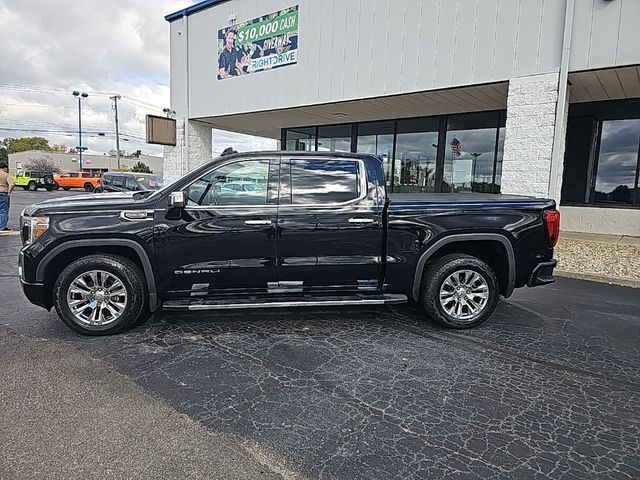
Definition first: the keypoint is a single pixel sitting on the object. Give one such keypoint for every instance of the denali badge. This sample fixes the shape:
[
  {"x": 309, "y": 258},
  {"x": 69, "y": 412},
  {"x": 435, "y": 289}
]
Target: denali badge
[{"x": 195, "y": 271}]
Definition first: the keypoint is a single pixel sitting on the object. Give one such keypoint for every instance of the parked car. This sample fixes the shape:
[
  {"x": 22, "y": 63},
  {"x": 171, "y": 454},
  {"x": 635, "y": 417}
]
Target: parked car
[
  {"x": 129, "y": 181},
  {"x": 34, "y": 179},
  {"x": 84, "y": 180},
  {"x": 322, "y": 231}
]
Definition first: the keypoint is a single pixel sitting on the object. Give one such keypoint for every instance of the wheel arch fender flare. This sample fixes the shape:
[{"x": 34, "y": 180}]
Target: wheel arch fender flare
[
  {"x": 106, "y": 242},
  {"x": 466, "y": 237}
]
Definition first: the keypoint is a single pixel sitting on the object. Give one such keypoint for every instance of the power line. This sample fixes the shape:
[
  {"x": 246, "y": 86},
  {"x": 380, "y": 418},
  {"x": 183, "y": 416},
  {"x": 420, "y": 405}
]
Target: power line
[{"x": 62, "y": 91}]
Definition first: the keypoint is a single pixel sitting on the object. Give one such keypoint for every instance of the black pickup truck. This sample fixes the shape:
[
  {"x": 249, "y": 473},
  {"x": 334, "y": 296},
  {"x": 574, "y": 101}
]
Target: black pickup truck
[{"x": 282, "y": 229}]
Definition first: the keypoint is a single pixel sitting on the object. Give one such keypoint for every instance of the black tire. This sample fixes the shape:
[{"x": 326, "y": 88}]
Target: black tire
[
  {"x": 56, "y": 186},
  {"x": 135, "y": 311},
  {"x": 48, "y": 189},
  {"x": 88, "y": 187},
  {"x": 32, "y": 186},
  {"x": 25, "y": 188},
  {"x": 98, "y": 190},
  {"x": 439, "y": 272},
  {"x": 66, "y": 188}
]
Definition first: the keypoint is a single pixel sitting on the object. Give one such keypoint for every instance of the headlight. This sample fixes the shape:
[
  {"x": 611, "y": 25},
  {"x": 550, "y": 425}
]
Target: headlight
[{"x": 36, "y": 226}]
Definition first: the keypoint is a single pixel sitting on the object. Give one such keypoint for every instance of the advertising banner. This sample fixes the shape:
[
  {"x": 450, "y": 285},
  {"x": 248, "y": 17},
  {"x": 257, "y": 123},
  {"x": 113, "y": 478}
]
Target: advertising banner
[{"x": 260, "y": 44}]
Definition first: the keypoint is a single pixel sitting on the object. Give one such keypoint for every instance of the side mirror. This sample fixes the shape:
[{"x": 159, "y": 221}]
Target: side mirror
[{"x": 176, "y": 200}]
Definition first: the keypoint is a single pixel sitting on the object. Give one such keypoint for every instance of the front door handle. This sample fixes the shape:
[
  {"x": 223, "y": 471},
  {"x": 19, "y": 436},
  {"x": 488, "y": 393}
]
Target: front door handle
[
  {"x": 361, "y": 220},
  {"x": 257, "y": 222}
]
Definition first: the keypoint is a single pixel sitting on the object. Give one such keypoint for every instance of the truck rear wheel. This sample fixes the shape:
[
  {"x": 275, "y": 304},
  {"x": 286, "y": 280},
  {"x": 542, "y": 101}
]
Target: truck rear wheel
[
  {"x": 459, "y": 291},
  {"x": 101, "y": 295},
  {"x": 88, "y": 187},
  {"x": 32, "y": 186}
]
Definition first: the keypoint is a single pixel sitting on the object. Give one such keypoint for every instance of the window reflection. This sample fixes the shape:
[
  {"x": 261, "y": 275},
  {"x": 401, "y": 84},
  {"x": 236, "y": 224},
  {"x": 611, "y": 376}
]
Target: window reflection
[
  {"x": 377, "y": 138},
  {"x": 470, "y": 153},
  {"x": 415, "y": 159},
  {"x": 617, "y": 162},
  {"x": 334, "y": 138},
  {"x": 321, "y": 181},
  {"x": 301, "y": 139}
]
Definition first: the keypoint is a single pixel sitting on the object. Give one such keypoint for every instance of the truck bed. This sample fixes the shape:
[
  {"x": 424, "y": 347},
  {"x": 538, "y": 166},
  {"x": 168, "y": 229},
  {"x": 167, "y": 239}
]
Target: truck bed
[{"x": 409, "y": 201}]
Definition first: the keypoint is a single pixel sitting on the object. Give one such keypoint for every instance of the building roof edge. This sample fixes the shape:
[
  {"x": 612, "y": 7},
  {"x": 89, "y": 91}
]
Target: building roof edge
[{"x": 192, "y": 9}]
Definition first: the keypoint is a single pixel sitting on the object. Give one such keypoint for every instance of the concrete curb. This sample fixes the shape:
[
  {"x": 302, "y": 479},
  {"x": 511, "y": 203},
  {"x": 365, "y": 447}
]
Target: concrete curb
[{"x": 625, "y": 282}]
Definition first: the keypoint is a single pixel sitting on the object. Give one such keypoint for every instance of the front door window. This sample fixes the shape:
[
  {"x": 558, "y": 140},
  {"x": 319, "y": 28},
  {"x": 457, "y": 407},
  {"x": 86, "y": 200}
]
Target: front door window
[{"x": 239, "y": 183}]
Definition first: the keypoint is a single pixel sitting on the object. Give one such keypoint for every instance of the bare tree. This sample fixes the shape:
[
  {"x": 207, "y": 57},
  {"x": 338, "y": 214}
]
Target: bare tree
[{"x": 42, "y": 163}]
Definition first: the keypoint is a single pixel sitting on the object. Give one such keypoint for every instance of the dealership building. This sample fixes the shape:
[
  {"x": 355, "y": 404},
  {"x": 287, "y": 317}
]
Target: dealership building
[{"x": 528, "y": 97}]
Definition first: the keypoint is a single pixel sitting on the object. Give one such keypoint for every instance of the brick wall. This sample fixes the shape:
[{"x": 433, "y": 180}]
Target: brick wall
[
  {"x": 177, "y": 161},
  {"x": 530, "y": 126}
]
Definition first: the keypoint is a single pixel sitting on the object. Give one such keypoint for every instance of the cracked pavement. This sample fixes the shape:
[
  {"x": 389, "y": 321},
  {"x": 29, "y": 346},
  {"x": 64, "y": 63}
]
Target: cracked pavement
[{"x": 547, "y": 388}]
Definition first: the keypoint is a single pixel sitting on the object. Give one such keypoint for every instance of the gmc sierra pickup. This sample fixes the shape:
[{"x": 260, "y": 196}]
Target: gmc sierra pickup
[{"x": 281, "y": 229}]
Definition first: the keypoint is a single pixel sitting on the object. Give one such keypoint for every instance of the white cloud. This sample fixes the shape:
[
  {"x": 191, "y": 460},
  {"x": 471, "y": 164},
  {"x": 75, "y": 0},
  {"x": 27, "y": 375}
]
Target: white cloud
[{"x": 119, "y": 46}]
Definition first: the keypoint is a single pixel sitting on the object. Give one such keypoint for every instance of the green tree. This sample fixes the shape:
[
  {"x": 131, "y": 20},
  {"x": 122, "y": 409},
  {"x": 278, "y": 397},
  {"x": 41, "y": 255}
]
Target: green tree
[
  {"x": 23, "y": 144},
  {"x": 141, "y": 167},
  {"x": 4, "y": 156}
]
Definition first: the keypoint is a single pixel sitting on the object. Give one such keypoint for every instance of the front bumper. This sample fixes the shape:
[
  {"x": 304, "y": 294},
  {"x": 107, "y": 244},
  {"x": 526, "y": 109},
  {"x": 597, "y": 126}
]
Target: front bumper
[
  {"x": 542, "y": 274},
  {"x": 34, "y": 291}
]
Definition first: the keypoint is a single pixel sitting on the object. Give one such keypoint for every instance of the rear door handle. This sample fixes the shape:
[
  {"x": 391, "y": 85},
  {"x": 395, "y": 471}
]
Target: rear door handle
[
  {"x": 361, "y": 220},
  {"x": 257, "y": 222}
]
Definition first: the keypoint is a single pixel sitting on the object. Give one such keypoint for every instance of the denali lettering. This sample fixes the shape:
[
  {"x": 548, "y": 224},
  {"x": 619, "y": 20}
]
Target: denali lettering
[{"x": 195, "y": 271}]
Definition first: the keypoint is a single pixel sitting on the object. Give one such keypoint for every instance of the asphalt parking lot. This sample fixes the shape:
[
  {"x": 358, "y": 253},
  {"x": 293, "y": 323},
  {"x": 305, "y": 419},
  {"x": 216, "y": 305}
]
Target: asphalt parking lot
[{"x": 548, "y": 388}]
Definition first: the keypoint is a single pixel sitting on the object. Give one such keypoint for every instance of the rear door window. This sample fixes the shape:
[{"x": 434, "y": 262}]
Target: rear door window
[
  {"x": 316, "y": 181},
  {"x": 118, "y": 181}
]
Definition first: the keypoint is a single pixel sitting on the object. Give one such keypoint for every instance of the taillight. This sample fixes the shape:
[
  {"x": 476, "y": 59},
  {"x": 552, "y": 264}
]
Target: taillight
[{"x": 552, "y": 220}]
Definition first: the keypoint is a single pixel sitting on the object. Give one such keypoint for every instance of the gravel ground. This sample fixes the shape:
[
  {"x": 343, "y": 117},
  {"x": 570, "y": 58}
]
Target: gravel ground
[{"x": 599, "y": 259}]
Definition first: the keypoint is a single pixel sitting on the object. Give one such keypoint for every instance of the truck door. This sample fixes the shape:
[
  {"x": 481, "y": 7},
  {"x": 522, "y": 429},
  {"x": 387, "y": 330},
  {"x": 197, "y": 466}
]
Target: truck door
[
  {"x": 329, "y": 227},
  {"x": 223, "y": 240}
]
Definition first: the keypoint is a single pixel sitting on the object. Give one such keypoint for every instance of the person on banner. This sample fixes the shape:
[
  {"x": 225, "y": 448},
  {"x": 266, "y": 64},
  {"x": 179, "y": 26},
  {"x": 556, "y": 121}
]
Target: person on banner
[
  {"x": 229, "y": 58},
  {"x": 6, "y": 187}
]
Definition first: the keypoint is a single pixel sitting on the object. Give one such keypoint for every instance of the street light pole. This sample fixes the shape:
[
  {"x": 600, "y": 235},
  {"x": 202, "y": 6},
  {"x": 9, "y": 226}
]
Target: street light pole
[
  {"x": 80, "y": 96},
  {"x": 115, "y": 99}
]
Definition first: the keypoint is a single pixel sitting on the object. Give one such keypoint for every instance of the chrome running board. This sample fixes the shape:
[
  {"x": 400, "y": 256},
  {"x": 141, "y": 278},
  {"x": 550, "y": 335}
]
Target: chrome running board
[{"x": 320, "y": 301}]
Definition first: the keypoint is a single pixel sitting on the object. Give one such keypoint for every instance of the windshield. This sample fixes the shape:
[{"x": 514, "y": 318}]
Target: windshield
[{"x": 150, "y": 183}]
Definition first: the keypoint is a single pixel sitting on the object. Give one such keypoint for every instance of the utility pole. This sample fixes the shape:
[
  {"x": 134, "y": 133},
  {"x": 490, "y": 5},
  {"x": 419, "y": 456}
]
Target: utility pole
[{"x": 115, "y": 99}]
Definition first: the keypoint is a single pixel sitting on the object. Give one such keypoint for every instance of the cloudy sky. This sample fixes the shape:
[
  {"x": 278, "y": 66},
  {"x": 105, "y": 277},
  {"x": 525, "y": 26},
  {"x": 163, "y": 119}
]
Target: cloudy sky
[{"x": 50, "y": 48}]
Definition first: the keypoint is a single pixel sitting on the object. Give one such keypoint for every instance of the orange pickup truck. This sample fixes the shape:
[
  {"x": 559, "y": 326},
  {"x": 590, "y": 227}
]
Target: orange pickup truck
[{"x": 84, "y": 180}]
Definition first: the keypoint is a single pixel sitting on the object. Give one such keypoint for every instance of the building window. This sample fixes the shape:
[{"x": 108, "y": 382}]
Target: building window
[
  {"x": 415, "y": 159},
  {"x": 470, "y": 153},
  {"x": 334, "y": 138},
  {"x": 450, "y": 153},
  {"x": 602, "y": 154},
  {"x": 377, "y": 138},
  {"x": 616, "y": 179},
  {"x": 301, "y": 139}
]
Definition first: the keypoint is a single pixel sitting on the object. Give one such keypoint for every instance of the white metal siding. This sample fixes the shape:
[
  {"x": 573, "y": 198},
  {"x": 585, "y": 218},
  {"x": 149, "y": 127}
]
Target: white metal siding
[
  {"x": 353, "y": 49},
  {"x": 605, "y": 34}
]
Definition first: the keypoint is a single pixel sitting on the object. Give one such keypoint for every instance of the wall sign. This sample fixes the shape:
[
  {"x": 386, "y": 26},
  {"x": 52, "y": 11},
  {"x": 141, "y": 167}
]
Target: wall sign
[{"x": 260, "y": 44}]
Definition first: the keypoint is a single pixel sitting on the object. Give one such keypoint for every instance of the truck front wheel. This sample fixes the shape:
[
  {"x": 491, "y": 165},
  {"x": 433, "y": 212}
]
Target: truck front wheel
[
  {"x": 459, "y": 291},
  {"x": 101, "y": 295}
]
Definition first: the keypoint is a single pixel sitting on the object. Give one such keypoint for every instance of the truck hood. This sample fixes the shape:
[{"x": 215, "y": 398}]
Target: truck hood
[{"x": 94, "y": 202}]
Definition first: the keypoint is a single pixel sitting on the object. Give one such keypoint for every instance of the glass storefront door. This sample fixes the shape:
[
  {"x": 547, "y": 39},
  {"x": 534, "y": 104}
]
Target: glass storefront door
[
  {"x": 377, "y": 138},
  {"x": 416, "y": 152},
  {"x": 470, "y": 153}
]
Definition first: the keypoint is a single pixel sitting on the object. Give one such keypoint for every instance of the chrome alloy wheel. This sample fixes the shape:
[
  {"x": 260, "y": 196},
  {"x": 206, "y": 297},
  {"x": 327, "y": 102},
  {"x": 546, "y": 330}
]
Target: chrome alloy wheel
[
  {"x": 464, "y": 295},
  {"x": 97, "y": 297}
]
